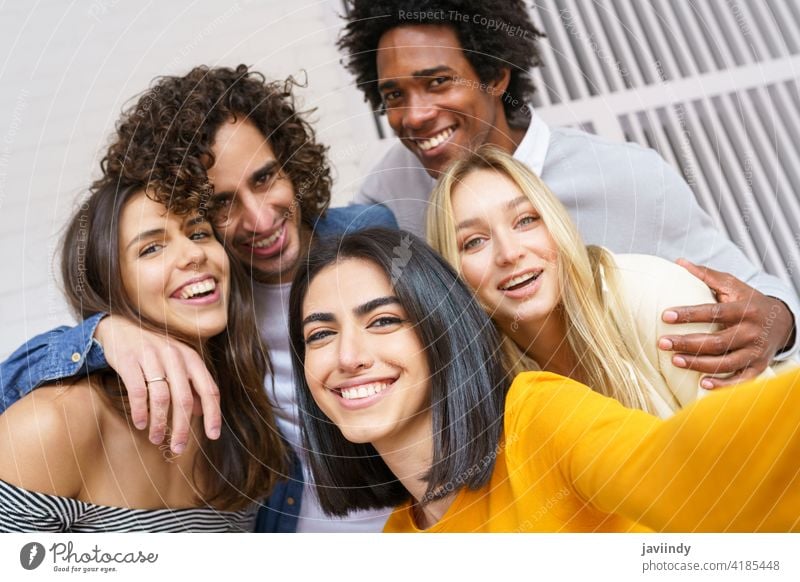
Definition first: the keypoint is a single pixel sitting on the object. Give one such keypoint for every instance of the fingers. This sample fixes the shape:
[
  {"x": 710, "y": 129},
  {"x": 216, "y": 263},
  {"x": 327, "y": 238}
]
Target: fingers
[
  {"x": 130, "y": 372},
  {"x": 181, "y": 398},
  {"x": 729, "y": 363},
  {"x": 709, "y": 344},
  {"x": 726, "y": 286},
  {"x": 156, "y": 380},
  {"x": 137, "y": 355},
  {"x": 710, "y": 382},
  {"x": 208, "y": 392},
  {"x": 724, "y": 313}
]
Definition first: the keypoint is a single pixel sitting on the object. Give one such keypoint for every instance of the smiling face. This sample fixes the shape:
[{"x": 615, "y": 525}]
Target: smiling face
[
  {"x": 174, "y": 272},
  {"x": 364, "y": 363},
  {"x": 255, "y": 207},
  {"x": 507, "y": 254},
  {"x": 435, "y": 102}
]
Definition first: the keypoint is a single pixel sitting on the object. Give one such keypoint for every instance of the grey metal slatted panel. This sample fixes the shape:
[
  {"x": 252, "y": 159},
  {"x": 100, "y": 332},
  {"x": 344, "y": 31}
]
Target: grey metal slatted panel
[
  {"x": 768, "y": 179},
  {"x": 584, "y": 47},
  {"x": 662, "y": 51},
  {"x": 554, "y": 80},
  {"x": 723, "y": 45},
  {"x": 692, "y": 13},
  {"x": 751, "y": 30},
  {"x": 633, "y": 131},
  {"x": 619, "y": 41},
  {"x": 606, "y": 55},
  {"x": 769, "y": 30},
  {"x": 639, "y": 42},
  {"x": 565, "y": 55},
  {"x": 677, "y": 124},
  {"x": 689, "y": 139},
  {"x": 654, "y": 14},
  {"x": 743, "y": 51},
  {"x": 684, "y": 35},
  {"x": 712, "y": 172},
  {"x": 788, "y": 24},
  {"x": 734, "y": 167},
  {"x": 794, "y": 7},
  {"x": 782, "y": 160},
  {"x": 655, "y": 137}
]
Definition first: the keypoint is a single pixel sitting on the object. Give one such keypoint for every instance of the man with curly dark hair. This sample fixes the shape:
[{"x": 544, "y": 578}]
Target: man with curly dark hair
[
  {"x": 452, "y": 75},
  {"x": 230, "y": 143}
]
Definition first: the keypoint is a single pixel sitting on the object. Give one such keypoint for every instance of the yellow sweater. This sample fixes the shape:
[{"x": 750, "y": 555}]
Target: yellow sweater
[{"x": 572, "y": 460}]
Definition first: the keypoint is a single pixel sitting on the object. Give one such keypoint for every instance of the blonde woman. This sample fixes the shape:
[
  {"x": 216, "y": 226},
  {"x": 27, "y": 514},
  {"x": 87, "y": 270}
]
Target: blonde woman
[{"x": 567, "y": 308}]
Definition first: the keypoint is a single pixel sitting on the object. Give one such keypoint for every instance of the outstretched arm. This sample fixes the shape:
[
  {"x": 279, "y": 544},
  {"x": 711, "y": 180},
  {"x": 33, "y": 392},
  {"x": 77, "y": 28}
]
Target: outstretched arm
[{"x": 726, "y": 463}]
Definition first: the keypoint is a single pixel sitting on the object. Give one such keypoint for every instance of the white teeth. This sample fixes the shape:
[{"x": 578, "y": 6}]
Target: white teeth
[
  {"x": 363, "y": 391},
  {"x": 267, "y": 241},
  {"x": 435, "y": 140},
  {"x": 520, "y": 279},
  {"x": 198, "y": 288}
]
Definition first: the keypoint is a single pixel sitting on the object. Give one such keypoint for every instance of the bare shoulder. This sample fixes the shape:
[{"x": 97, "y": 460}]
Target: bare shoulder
[{"x": 46, "y": 437}]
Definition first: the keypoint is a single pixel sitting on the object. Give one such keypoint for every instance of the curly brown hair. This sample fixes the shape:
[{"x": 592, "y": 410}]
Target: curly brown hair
[{"x": 163, "y": 141}]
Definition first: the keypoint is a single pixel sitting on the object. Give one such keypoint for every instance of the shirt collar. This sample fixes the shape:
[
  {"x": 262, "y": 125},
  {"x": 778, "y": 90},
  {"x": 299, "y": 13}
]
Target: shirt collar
[{"x": 533, "y": 148}]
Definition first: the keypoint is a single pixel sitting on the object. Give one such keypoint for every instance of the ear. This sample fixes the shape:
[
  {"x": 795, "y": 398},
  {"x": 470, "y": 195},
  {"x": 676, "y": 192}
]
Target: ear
[{"x": 500, "y": 84}]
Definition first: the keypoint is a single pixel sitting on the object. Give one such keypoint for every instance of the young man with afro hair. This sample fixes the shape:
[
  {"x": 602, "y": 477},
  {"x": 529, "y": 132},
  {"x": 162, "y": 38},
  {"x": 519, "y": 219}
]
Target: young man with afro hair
[{"x": 452, "y": 75}]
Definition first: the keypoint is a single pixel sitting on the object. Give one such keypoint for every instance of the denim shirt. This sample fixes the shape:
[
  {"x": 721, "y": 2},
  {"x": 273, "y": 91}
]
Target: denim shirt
[{"x": 65, "y": 351}]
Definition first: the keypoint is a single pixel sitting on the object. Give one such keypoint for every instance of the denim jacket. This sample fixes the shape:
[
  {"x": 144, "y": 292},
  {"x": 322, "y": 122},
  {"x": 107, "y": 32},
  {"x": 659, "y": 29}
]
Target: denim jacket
[{"x": 65, "y": 351}]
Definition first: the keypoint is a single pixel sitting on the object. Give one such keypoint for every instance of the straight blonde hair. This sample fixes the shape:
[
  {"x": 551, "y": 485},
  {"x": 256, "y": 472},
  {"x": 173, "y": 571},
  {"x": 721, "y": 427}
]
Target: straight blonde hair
[{"x": 600, "y": 330}]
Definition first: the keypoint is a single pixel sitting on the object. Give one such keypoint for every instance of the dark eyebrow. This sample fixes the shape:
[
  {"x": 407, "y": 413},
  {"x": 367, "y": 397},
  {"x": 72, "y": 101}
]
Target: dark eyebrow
[
  {"x": 269, "y": 166},
  {"x": 375, "y": 303},
  {"x": 432, "y": 72},
  {"x": 360, "y": 310},
  {"x": 199, "y": 219},
  {"x": 145, "y": 234},
  {"x": 510, "y": 205},
  {"x": 314, "y": 317}
]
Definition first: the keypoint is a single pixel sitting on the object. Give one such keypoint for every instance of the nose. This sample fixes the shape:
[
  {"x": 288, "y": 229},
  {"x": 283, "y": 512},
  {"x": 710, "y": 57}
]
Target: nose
[
  {"x": 507, "y": 249},
  {"x": 354, "y": 355},
  {"x": 258, "y": 215},
  {"x": 419, "y": 113},
  {"x": 194, "y": 255}
]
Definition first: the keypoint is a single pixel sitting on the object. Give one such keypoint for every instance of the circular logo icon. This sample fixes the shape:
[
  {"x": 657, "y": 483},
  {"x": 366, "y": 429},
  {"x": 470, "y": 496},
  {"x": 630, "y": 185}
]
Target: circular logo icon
[{"x": 31, "y": 555}]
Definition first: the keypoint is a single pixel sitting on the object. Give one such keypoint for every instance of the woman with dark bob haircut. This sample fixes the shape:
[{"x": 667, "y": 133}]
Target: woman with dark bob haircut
[
  {"x": 69, "y": 458},
  {"x": 406, "y": 403}
]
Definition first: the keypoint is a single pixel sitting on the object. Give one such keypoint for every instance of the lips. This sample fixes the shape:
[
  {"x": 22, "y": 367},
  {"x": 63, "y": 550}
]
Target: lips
[
  {"x": 196, "y": 287},
  {"x": 519, "y": 281},
  {"x": 362, "y": 392},
  {"x": 428, "y": 144},
  {"x": 268, "y": 245}
]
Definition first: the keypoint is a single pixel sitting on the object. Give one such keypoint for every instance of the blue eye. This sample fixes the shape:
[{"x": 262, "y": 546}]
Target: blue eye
[
  {"x": 472, "y": 244},
  {"x": 526, "y": 220}
]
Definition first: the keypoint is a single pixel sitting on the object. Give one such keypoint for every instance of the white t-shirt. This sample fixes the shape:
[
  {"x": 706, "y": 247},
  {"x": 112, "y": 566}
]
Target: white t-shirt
[{"x": 271, "y": 310}]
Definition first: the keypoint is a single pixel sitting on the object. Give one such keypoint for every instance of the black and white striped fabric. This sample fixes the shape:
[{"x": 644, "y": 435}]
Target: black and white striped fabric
[{"x": 27, "y": 511}]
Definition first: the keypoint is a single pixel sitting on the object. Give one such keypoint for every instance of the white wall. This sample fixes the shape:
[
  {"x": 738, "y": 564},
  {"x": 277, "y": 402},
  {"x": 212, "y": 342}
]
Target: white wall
[{"x": 67, "y": 69}]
